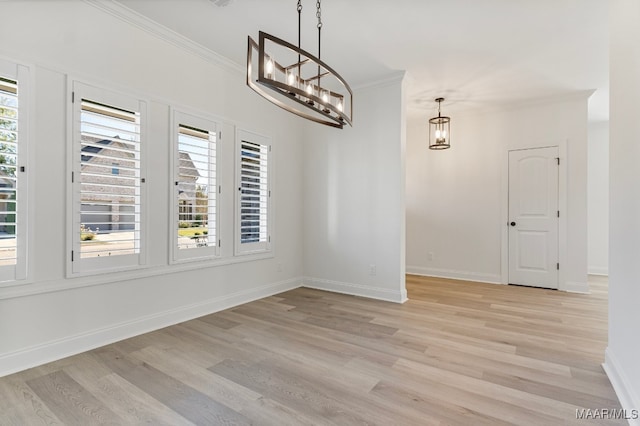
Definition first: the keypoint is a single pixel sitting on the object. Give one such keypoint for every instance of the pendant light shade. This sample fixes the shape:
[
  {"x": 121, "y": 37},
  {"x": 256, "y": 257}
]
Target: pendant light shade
[{"x": 439, "y": 130}]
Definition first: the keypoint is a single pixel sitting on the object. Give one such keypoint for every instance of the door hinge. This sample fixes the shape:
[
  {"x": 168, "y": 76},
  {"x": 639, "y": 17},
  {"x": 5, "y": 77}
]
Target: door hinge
[
  {"x": 558, "y": 266},
  {"x": 219, "y": 243},
  {"x": 558, "y": 213},
  {"x": 143, "y": 180},
  {"x": 22, "y": 169},
  {"x": 220, "y": 134},
  {"x": 73, "y": 97},
  {"x": 219, "y": 189},
  {"x": 269, "y": 238},
  {"x": 558, "y": 160},
  {"x": 72, "y": 177},
  {"x": 72, "y": 255}
]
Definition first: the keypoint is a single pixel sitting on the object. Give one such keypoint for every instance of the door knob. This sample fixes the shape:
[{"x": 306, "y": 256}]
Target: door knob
[{"x": 513, "y": 224}]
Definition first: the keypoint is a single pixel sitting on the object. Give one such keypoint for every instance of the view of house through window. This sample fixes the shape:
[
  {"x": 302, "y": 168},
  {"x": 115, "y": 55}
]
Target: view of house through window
[
  {"x": 196, "y": 187},
  {"x": 8, "y": 169},
  {"x": 109, "y": 181}
]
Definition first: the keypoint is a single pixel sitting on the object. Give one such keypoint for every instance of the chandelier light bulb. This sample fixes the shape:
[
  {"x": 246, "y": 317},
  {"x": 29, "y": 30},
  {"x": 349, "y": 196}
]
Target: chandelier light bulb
[
  {"x": 269, "y": 68},
  {"x": 325, "y": 101},
  {"x": 291, "y": 78},
  {"x": 340, "y": 106},
  {"x": 310, "y": 93}
]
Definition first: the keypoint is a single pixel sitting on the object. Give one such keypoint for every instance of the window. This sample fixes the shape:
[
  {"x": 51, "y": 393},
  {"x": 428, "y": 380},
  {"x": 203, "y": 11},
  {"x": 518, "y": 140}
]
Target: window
[
  {"x": 13, "y": 196},
  {"x": 195, "y": 204},
  {"x": 253, "y": 200},
  {"x": 107, "y": 179}
]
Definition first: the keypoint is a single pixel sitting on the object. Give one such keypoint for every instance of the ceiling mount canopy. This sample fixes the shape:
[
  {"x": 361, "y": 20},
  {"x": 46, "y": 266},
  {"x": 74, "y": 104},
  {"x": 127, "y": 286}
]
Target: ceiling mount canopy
[
  {"x": 299, "y": 81},
  {"x": 439, "y": 130}
]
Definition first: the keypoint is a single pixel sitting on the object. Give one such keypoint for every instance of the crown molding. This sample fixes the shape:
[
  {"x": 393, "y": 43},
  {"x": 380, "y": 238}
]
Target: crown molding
[
  {"x": 391, "y": 78},
  {"x": 418, "y": 110},
  {"x": 134, "y": 18}
]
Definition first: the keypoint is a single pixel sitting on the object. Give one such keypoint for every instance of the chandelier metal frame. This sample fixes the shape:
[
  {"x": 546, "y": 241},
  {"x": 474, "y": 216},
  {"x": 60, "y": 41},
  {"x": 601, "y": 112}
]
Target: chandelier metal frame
[
  {"x": 440, "y": 130},
  {"x": 309, "y": 98}
]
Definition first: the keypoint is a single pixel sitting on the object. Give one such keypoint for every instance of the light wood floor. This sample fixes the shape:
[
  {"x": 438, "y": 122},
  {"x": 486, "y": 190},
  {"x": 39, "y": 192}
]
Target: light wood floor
[{"x": 456, "y": 353}]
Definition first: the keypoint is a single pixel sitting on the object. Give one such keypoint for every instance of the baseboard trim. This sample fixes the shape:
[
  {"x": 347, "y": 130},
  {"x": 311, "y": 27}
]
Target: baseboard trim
[
  {"x": 575, "y": 287},
  {"x": 598, "y": 270},
  {"x": 622, "y": 386},
  {"x": 454, "y": 274},
  {"x": 54, "y": 350},
  {"x": 357, "y": 290}
]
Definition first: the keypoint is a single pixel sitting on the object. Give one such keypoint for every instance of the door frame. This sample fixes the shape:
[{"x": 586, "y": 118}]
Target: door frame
[{"x": 562, "y": 206}]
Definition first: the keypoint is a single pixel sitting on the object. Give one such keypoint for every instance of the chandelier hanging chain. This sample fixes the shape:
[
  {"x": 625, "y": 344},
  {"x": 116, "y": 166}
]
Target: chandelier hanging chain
[
  {"x": 299, "y": 8},
  {"x": 299, "y": 37},
  {"x": 319, "y": 16}
]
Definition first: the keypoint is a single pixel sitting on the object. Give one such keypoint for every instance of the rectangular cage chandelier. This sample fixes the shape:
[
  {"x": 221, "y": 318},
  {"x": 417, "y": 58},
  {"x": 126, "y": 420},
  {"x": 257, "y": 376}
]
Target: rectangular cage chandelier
[{"x": 299, "y": 82}]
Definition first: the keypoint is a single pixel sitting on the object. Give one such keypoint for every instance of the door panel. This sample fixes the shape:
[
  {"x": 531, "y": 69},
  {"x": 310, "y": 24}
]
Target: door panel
[{"x": 533, "y": 217}]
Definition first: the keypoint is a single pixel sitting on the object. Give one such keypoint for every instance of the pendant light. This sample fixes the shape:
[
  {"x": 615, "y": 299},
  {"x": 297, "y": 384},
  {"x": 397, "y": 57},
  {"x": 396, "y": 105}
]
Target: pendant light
[
  {"x": 299, "y": 82},
  {"x": 439, "y": 130}
]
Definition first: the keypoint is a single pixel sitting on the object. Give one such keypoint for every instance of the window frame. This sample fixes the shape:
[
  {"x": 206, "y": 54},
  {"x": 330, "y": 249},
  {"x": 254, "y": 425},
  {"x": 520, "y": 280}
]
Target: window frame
[
  {"x": 9, "y": 274},
  {"x": 76, "y": 265},
  {"x": 253, "y": 248},
  {"x": 180, "y": 117}
]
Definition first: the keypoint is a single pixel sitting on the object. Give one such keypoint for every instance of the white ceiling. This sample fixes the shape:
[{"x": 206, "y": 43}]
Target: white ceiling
[{"x": 475, "y": 53}]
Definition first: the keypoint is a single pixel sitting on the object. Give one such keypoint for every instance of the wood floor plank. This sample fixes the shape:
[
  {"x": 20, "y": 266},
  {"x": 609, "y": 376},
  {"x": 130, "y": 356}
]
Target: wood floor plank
[
  {"x": 218, "y": 388},
  {"x": 457, "y": 353},
  {"x": 183, "y": 399},
  {"x": 19, "y": 405},
  {"x": 71, "y": 402}
]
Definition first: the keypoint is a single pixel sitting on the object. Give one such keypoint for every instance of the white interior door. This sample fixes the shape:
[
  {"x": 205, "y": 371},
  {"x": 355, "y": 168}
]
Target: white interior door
[{"x": 533, "y": 217}]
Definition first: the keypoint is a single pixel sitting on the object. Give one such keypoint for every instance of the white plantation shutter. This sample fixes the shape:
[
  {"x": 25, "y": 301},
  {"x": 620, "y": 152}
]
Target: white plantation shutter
[
  {"x": 195, "y": 206},
  {"x": 253, "y": 200},
  {"x": 8, "y": 169},
  {"x": 13, "y": 197},
  {"x": 107, "y": 180}
]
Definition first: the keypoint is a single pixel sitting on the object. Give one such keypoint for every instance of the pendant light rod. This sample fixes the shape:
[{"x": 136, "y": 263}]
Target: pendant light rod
[{"x": 439, "y": 101}]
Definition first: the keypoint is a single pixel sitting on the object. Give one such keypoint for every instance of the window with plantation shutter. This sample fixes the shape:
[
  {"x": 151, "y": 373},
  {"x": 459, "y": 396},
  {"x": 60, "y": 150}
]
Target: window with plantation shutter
[
  {"x": 195, "y": 206},
  {"x": 13, "y": 197},
  {"x": 253, "y": 214},
  {"x": 107, "y": 180}
]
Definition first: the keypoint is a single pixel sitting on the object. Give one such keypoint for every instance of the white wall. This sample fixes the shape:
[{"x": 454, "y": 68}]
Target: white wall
[
  {"x": 453, "y": 200},
  {"x": 623, "y": 352},
  {"x": 456, "y": 198},
  {"x": 354, "y": 198},
  {"x": 52, "y": 316},
  {"x": 598, "y": 198}
]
